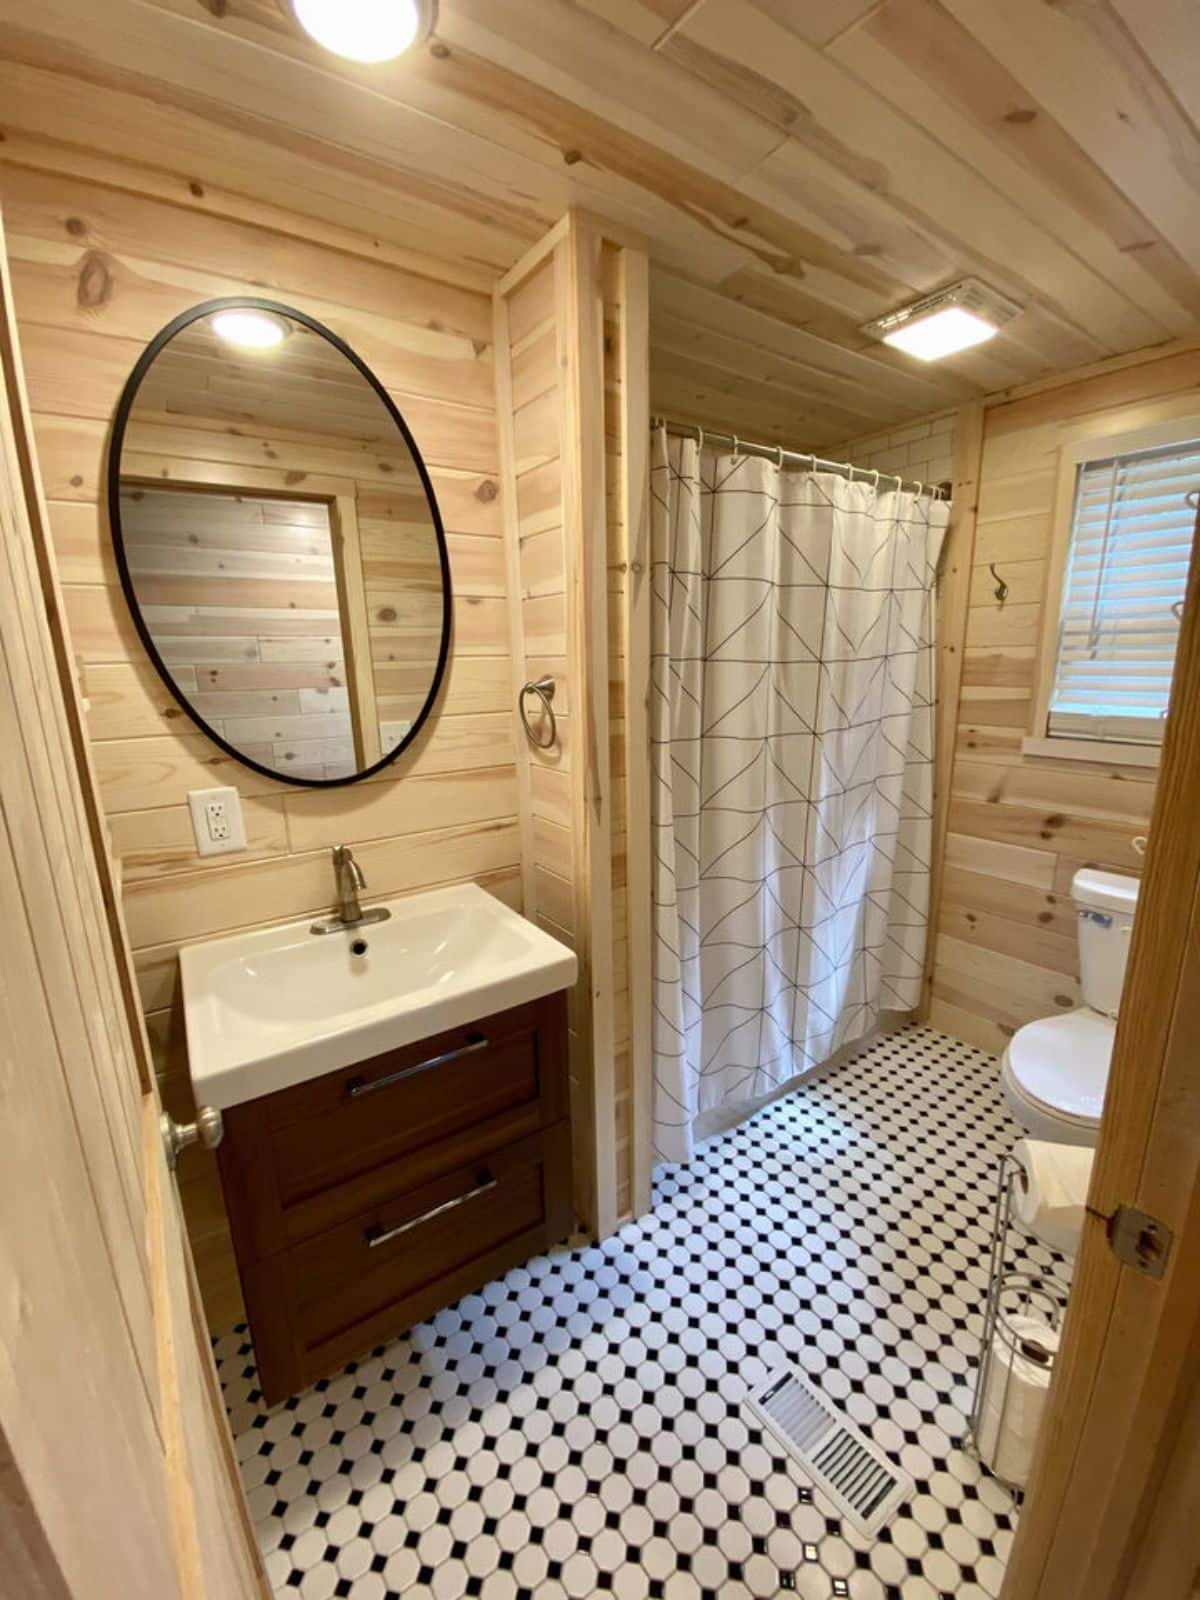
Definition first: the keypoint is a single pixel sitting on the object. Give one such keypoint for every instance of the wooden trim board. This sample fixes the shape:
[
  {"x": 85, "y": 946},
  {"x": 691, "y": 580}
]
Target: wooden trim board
[
  {"x": 356, "y": 633},
  {"x": 635, "y": 490},
  {"x": 512, "y": 572},
  {"x": 585, "y": 523},
  {"x": 1092, "y": 369},
  {"x": 953, "y": 595}
]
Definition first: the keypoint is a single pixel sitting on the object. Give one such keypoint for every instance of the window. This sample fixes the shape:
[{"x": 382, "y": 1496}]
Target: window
[{"x": 1123, "y": 581}]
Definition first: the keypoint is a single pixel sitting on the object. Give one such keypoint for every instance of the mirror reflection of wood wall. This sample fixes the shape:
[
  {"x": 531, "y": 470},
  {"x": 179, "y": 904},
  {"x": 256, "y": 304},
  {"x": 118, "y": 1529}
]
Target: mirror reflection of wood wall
[
  {"x": 282, "y": 550},
  {"x": 240, "y": 596}
]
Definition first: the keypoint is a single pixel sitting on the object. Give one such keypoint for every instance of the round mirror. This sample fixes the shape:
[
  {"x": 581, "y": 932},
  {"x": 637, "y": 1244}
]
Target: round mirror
[{"x": 279, "y": 542}]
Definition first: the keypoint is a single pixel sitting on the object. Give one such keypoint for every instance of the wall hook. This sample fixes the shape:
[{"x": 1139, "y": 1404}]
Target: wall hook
[{"x": 1001, "y": 586}]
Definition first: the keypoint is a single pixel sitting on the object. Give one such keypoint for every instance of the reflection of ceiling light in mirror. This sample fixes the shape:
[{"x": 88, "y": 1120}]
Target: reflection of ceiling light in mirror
[
  {"x": 249, "y": 330},
  {"x": 366, "y": 30},
  {"x": 953, "y": 319}
]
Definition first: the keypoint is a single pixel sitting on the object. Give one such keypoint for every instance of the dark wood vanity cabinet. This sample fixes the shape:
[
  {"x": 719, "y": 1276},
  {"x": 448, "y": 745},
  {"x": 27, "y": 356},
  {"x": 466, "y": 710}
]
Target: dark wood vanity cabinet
[{"x": 364, "y": 1200}]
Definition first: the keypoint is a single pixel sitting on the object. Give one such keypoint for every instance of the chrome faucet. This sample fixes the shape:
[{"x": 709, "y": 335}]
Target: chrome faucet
[
  {"x": 349, "y": 881},
  {"x": 350, "y": 914}
]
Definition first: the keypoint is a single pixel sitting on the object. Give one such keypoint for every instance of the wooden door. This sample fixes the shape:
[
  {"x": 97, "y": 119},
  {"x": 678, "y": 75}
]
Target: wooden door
[
  {"x": 1111, "y": 1512},
  {"x": 117, "y": 1474}
]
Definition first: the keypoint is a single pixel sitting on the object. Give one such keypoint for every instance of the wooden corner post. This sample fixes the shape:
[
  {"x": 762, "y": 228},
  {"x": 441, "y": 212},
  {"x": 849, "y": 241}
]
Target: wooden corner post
[{"x": 572, "y": 359}]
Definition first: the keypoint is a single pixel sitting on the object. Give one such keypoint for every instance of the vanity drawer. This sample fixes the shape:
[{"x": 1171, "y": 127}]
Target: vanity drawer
[
  {"x": 360, "y": 1283},
  {"x": 311, "y": 1157},
  {"x": 415, "y": 1076}
]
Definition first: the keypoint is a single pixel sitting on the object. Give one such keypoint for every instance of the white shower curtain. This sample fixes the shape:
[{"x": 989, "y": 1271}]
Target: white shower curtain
[{"x": 792, "y": 725}]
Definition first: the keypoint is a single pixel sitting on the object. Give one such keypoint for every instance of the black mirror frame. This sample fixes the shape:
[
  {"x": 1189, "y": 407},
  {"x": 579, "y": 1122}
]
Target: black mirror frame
[{"x": 116, "y": 441}]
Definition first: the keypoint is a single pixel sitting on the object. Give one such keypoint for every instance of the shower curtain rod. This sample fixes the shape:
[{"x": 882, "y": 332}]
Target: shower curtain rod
[{"x": 691, "y": 430}]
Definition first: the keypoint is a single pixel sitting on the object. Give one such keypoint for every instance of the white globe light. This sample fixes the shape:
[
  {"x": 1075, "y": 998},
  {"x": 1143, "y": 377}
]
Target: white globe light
[
  {"x": 361, "y": 30},
  {"x": 250, "y": 330}
]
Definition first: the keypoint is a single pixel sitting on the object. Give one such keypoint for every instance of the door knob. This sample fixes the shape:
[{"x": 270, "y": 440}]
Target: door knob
[{"x": 208, "y": 1130}]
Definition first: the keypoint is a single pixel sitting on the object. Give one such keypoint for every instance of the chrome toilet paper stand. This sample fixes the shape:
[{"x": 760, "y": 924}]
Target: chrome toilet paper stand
[{"x": 1010, "y": 1292}]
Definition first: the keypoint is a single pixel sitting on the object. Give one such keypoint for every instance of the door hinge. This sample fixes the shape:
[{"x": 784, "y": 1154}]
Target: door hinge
[{"x": 1139, "y": 1240}]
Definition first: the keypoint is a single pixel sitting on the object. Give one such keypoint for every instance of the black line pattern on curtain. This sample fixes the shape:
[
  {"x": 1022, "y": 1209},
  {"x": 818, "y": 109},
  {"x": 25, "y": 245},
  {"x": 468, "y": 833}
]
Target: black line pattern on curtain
[{"x": 792, "y": 739}]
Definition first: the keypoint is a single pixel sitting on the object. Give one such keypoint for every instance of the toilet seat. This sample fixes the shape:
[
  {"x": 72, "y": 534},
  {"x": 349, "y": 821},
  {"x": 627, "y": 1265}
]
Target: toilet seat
[{"x": 1055, "y": 1072}]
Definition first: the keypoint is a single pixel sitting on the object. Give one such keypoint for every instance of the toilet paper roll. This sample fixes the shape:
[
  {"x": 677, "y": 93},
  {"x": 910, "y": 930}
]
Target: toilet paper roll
[
  {"x": 1050, "y": 1194},
  {"x": 1014, "y": 1400}
]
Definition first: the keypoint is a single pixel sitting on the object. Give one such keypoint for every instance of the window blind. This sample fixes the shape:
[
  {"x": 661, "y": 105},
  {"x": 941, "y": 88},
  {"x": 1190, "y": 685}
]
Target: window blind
[{"x": 1131, "y": 540}]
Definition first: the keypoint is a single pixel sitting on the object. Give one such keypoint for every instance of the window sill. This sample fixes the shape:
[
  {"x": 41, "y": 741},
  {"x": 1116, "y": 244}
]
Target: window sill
[{"x": 1108, "y": 752}]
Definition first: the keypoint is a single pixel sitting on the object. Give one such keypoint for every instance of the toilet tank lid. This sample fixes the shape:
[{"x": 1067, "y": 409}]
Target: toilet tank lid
[{"x": 1107, "y": 891}]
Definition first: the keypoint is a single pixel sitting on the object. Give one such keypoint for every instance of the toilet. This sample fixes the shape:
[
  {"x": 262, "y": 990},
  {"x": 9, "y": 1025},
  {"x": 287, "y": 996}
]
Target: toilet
[{"x": 1055, "y": 1070}]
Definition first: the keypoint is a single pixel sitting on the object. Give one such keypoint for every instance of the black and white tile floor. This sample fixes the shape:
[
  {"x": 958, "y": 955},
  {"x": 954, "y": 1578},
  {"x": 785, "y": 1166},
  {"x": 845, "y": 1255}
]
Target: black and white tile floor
[{"x": 576, "y": 1428}]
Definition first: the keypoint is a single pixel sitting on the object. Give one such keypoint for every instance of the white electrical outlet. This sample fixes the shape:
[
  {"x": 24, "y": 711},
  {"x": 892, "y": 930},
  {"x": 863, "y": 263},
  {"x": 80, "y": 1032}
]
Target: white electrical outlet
[
  {"x": 217, "y": 817},
  {"x": 217, "y": 821}
]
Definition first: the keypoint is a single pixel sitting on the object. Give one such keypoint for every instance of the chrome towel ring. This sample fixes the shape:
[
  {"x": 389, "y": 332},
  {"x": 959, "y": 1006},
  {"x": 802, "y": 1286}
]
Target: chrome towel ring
[{"x": 543, "y": 688}]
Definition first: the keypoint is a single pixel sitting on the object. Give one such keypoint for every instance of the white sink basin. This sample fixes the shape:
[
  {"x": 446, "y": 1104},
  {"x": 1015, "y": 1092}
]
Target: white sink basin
[{"x": 268, "y": 1009}]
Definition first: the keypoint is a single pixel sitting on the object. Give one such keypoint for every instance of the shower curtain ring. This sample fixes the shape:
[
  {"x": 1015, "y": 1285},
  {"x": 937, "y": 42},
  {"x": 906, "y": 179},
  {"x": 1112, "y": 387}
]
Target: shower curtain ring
[
  {"x": 779, "y": 457},
  {"x": 920, "y": 483},
  {"x": 875, "y": 485},
  {"x": 737, "y": 450},
  {"x": 699, "y": 439}
]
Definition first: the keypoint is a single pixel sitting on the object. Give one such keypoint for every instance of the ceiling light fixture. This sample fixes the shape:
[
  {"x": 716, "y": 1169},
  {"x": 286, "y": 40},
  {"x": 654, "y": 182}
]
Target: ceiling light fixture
[
  {"x": 940, "y": 324},
  {"x": 249, "y": 329},
  {"x": 366, "y": 30}
]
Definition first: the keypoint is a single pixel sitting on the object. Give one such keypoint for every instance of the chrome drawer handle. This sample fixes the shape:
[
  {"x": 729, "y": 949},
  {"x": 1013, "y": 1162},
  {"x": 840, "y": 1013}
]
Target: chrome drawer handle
[
  {"x": 485, "y": 1183},
  {"x": 357, "y": 1086}
]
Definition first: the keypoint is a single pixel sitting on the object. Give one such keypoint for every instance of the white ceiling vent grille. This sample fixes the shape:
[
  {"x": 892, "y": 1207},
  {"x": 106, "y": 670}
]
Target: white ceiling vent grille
[{"x": 853, "y": 1472}]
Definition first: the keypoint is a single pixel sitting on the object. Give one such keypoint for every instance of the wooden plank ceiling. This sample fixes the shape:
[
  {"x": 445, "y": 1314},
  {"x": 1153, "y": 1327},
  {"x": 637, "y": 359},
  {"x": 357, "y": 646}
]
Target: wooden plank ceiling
[{"x": 796, "y": 167}]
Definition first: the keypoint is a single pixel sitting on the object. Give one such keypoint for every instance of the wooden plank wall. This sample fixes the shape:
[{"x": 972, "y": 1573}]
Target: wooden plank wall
[
  {"x": 98, "y": 268},
  {"x": 1020, "y": 826},
  {"x": 563, "y": 337}
]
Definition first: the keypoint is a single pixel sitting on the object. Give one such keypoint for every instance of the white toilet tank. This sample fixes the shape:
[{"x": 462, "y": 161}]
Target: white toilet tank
[{"x": 1106, "y": 902}]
